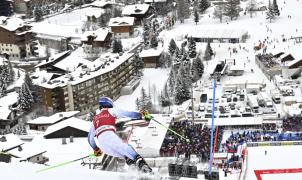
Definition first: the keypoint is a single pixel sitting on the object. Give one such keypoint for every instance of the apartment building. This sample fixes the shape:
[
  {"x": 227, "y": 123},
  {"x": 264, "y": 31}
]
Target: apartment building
[
  {"x": 16, "y": 38},
  {"x": 81, "y": 89}
]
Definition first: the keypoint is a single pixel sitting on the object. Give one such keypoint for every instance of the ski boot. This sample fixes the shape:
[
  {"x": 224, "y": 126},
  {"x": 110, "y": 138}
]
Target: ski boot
[{"x": 142, "y": 165}]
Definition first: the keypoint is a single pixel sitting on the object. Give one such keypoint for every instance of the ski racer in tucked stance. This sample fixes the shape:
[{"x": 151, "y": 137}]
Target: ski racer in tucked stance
[{"x": 103, "y": 128}]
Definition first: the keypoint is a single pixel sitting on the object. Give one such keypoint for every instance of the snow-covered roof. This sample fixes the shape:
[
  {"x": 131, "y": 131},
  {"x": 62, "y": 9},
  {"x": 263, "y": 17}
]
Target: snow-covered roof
[
  {"x": 216, "y": 33},
  {"x": 151, "y": 1},
  {"x": 96, "y": 13},
  {"x": 11, "y": 142},
  {"x": 54, "y": 118},
  {"x": 121, "y": 21},
  {"x": 151, "y": 52},
  {"x": 135, "y": 9},
  {"x": 71, "y": 122},
  {"x": 106, "y": 63},
  {"x": 40, "y": 76},
  {"x": 5, "y": 102},
  {"x": 294, "y": 62},
  {"x": 11, "y": 23},
  {"x": 236, "y": 68},
  {"x": 73, "y": 61},
  {"x": 100, "y": 3},
  {"x": 52, "y": 58},
  {"x": 99, "y": 34}
]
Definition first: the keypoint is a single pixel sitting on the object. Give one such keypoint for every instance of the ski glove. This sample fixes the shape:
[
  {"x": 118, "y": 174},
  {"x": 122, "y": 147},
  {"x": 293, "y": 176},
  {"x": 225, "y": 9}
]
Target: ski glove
[{"x": 97, "y": 152}]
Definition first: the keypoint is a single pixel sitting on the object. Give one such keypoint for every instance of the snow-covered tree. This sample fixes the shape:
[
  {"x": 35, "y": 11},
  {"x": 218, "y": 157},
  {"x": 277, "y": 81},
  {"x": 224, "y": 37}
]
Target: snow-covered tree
[
  {"x": 197, "y": 69},
  {"x": 25, "y": 98},
  {"x": 183, "y": 11},
  {"x": 182, "y": 92},
  {"x": 232, "y": 9},
  {"x": 116, "y": 12},
  {"x": 164, "y": 97},
  {"x": 270, "y": 13},
  {"x": 137, "y": 103},
  {"x": 138, "y": 65},
  {"x": 172, "y": 47},
  {"x": 29, "y": 82},
  {"x": 204, "y": 5},
  {"x": 146, "y": 32},
  {"x": 11, "y": 71},
  {"x": 218, "y": 12},
  {"x": 5, "y": 75},
  {"x": 208, "y": 52},
  {"x": 276, "y": 8},
  {"x": 192, "y": 48},
  {"x": 38, "y": 13},
  {"x": 251, "y": 7},
  {"x": 2, "y": 89},
  {"x": 171, "y": 81},
  {"x": 196, "y": 16},
  {"x": 154, "y": 42},
  {"x": 117, "y": 46}
]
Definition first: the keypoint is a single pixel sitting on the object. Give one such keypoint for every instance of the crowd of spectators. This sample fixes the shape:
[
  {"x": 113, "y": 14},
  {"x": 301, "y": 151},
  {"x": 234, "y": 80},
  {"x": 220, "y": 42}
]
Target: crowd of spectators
[
  {"x": 269, "y": 127},
  {"x": 292, "y": 124},
  {"x": 198, "y": 135},
  {"x": 236, "y": 139}
]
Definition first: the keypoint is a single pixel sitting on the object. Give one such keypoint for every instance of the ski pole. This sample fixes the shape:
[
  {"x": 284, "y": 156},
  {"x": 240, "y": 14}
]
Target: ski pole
[
  {"x": 64, "y": 163},
  {"x": 171, "y": 130}
]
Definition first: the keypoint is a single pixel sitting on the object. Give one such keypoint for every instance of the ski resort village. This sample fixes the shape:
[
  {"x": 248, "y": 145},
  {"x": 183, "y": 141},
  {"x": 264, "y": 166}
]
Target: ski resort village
[{"x": 151, "y": 89}]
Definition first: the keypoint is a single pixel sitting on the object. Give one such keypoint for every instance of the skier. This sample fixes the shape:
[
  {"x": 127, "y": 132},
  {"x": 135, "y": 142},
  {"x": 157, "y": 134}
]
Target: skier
[
  {"x": 103, "y": 128},
  {"x": 265, "y": 152}
]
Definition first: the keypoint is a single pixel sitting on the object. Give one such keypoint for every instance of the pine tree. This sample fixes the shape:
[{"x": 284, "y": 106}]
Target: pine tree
[
  {"x": 143, "y": 99},
  {"x": 232, "y": 8},
  {"x": 182, "y": 92},
  {"x": 25, "y": 98},
  {"x": 184, "y": 70},
  {"x": 38, "y": 13},
  {"x": 154, "y": 42},
  {"x": 270, "y": 14},
  {"x": 204, "y": 5},
  {"x": 146, "y": 33},
  {"x": 172, "y": 47},
  {"x": 171, "y": 81},
  {"x": 138, "y": 65},
  {"x": 4, "y": 75},
  {"x": 183, "y": 10},
  {"x": 218, "y": 12},
  {"x": 192, "y": 48},
  {"x": 11, "y": 71},
  {"x": 251, "y": 7},
  {"x": 116, "y": 12},
  {"x": 138, "y": 105},
  {"x": 199, "y": 67},
  {"x": 276, "y": 8},
  {"x": 164, "y": 97},
  {"x": 195, "y": 74},
  {"x": 28, "y": 81},
  {"x": 208, "y": 52},
  {"x": 117, "y": 46},
  {"x": 196, "y": 16},
  {"x": 2, "y": 89}
]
